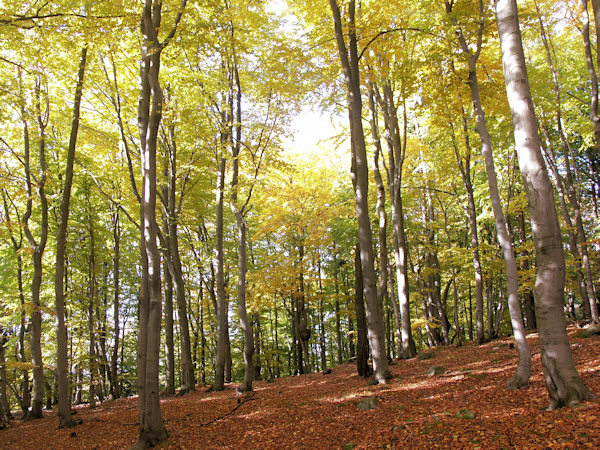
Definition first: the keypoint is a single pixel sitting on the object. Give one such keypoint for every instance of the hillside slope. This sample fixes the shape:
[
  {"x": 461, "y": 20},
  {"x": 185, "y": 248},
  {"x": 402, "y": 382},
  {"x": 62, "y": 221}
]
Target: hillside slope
[{"x": 465, "y": 406}]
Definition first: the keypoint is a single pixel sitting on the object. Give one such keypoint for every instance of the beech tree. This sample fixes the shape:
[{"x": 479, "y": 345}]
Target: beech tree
[
  {"x": 64, "y": 398},
  {"x": 348, "y": 54},
  {"x": 562, "y": 380},
  {"x": 151, "y": 98}
]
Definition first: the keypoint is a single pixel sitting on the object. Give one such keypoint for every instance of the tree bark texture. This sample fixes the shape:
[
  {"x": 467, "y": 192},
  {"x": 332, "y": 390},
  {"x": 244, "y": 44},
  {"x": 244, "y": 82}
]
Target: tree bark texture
[
  {"x": 37, "y": 248},
  {"x": 152, "y": 428},
  {"x": 563, "y": 383},
  {"x": 62, "y": 365},
  {"x": 374, "y": 312},
  {"x": 521, "y": 378}
]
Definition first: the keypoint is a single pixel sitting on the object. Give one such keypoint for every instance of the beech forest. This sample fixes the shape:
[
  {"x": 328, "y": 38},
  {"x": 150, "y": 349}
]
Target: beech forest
[{"x": 299, "y": 224}]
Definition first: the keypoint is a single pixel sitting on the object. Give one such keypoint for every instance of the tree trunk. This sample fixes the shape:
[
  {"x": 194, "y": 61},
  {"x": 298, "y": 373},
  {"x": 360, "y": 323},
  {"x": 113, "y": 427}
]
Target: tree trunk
[
  {"x": 64, "y": 399},
  {"x": 521, "y": 378},
  {"x": 382, "y": 231},
  {"x": 152, "y": 428},
  {"x": 115, "y": 390},
  {"x": 169, "y": 344},
  {"x": 362, "y": 343},
  {"x": 5, "y": 413},
  {"x": 37, "y": 255},
  {"x": 564, "y": 385},
  {"x": 374, "y": 311},
  {"x": 219, "y": 383},
  {"x": 239, "y": 212},
  {"x": 176, "y": 270},
  {"x": 301, "y": 318},
  {"x": 396, "y": 156},
  {"x": 338, "y": 318},
  {"x": 590, "y": 295},
  {"x": 465, "y": 171}
]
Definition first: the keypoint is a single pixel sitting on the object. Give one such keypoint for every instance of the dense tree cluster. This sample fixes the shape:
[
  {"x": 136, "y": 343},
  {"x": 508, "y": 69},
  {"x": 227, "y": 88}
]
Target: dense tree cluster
[{"x": 157, "y": 233}]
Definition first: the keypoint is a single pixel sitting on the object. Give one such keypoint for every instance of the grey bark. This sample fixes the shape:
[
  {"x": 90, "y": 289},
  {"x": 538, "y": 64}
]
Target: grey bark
[
  {"x": 521, "y": 378},
  {"x": 349, "y": 60},
  {"x": 169, "y": 343},
  {"x": 221, "y": 303},
  {"x": 396, "y": 157},
  {"x": 37, "y": 248},
  {"x": 115, "y": 387},
  {"x": 585, "y": 280},
  {"x": 17, "y": 244},
  {"x": 563, "y": 383},
  {"x": 152, "y": 428},
  {"x": 239, "y": 212},
  {"x": 64, "y": 399},
  {"x": 175, "y": 268}
]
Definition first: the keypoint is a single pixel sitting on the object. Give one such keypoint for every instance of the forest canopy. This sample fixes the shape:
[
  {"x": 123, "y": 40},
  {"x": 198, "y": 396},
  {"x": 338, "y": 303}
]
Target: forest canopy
[{"x": 169, "y": 221}]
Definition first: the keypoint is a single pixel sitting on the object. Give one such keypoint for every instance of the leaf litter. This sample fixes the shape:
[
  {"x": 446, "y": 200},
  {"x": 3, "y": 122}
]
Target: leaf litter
[{"x": 466, "y": 406}]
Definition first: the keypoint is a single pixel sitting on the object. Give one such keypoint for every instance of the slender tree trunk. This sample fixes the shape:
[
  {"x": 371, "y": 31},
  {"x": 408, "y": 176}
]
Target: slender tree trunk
[
  {"x": 590, "y": 294},
  {"x": 564, "y": 385},
  {"x": 64, "y": 399},
  {"x": 396, "y": 156},
  {"x": 374, "y": 311},
  {"x": 382, "y": 288},
  {"x": 152, "y": 428},
  {"x": 37, "y": 255},
  {"x": 176, "y": 271},
  {"x": 219, "y": 383},
  {"x": 169, "y": 343},
  {"x": 115, "y": 390},
  {"x": 245, "y": 324},
  {"x": 362, "y": 343},
  {"x": 5, "y": 413},
  {"x": 465, "y": 171},
  {"x": 338, "y": 318},
  {"x": 585, "y": 32}
]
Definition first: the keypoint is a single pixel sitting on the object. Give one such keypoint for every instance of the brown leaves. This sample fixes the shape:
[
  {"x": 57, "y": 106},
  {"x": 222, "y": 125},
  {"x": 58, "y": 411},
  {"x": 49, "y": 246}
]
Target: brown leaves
[{"x": 466, "y": 407}]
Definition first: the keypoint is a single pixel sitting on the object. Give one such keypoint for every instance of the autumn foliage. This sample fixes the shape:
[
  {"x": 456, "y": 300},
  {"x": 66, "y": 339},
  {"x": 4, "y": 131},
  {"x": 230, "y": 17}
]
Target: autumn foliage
[{"x": 467, "y": 406}]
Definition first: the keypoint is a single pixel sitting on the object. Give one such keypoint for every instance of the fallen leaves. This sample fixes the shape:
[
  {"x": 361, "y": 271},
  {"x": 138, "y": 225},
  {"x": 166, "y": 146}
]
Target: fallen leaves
[{"x": 467, "y": 406}]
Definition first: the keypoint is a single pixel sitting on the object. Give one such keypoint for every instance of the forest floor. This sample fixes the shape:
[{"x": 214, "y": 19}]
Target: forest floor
[{"x": 467, "y": 406}]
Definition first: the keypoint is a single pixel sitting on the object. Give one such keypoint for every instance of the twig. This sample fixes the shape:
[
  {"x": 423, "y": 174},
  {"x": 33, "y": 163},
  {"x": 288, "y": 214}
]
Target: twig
[{"x": 240, "y": 403}]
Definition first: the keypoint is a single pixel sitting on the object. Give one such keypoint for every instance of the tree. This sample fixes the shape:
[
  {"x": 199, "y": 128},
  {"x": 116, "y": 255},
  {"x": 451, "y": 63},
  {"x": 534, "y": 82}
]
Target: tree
[
  {"x": 151, "y": 98},
  {"x": 521, "y": 377},
  {"x": 563, "y": 383},
  {"x": 37, "y": 246},
  {"x": 64, "y": 397},
  {"x": 348, "y": 55}
]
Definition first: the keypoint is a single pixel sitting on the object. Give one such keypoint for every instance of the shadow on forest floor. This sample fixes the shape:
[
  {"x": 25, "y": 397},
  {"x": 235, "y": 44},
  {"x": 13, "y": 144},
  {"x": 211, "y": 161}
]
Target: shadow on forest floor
[{"x": 466, "y": 406}]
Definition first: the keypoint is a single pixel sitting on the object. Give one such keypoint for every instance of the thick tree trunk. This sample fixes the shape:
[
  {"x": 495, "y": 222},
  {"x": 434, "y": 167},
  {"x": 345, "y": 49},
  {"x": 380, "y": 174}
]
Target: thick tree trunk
[
  {"x": 521, "y": 378},
  {"x": 564, "y": 385}
]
